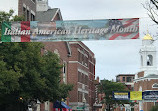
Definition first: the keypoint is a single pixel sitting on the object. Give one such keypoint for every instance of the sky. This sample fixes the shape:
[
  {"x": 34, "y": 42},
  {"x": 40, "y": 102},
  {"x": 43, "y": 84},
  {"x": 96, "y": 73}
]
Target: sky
[{"x": 113, "y": 57}]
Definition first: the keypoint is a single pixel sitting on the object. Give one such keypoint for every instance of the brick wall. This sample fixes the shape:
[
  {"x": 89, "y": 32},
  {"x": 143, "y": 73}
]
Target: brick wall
[
  {"x": 141, "y": 74},
  {"x": 73, "y": 65},
  {"x": 29, "y": 5},
  {"x": 146, "y": 85}
]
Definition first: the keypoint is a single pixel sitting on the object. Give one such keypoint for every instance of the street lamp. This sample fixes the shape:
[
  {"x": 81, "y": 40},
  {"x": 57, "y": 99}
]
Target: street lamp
[{"x": 84, "y": 104}]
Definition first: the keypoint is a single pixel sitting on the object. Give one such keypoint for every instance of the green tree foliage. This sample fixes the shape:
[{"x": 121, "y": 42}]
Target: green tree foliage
[
  {"x": 8, "y": 16},
  {"x": 154, "y": 108},
  {"x": 107, "y": 87},
  {"x": 26, "y": 75}
]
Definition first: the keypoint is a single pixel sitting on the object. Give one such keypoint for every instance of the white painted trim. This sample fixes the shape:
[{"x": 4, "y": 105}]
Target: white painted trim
[
  {"x": 33, "y": 12},
  {"x": 82, "y": 83},
  {"x": 55, "y": 15},
  {"x": 58, "y": 11},
  {"x": 83, "y": 90},
  {"x": 24, "y": 5},
  {"x": 143, "y": 78},
  {"x": 91, "y": 62},
  {"x": 82, "y": 52},
  {"x": 28, "y": 8},
  {"x": 154, "y": 84},
  {"x": 33, "y": 1},
  {"x": 81, "y": 46},
  {"x": 82, "y": 71},
  {"x": 77, "y": 63}
]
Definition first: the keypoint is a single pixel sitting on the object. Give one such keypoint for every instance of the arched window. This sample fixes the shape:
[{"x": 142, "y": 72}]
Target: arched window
[
  {"x": 155, "y": 85},
  {"x": 57, "y": 52},
  {"x": 140, "y": 88},
  {"x": 64, "y": 72},
  {"x": 149, "y": 60}
]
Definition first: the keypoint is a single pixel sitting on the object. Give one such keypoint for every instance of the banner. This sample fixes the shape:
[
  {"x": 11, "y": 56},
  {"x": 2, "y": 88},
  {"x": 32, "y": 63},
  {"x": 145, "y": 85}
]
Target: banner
[
  {"x": 136, "y": 95},
  {"x": 124, "y": 95},
  {"x": 150, "y": 95},
  {"x": 73, "y": 30}
]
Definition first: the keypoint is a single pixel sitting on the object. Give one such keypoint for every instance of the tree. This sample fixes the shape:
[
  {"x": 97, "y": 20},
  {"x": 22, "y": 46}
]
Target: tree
[
  {"x": 152, "y": 8},
  {"x": 107, "y": 87},
  {"x": 27, "y": 76},
  {"x": 154, "y": 108},
  {"x": 8, "y": 16}
]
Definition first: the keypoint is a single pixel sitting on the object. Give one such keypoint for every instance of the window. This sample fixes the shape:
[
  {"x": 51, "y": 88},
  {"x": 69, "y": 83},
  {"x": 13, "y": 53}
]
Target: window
[
  {"x": 79, "y": 96},
  {"x": 79, "y": 76},
  {"x": 149, "y": 60},
  {"x": 24, "y": 12},
  {"x": 123, "y": 79},
  {"x": 64, "y": 72},
  {"x": 155, "y": 85},
  {"x": 32, "y": 17},
  {"x": 79, "y": 57},
  {"x": 86, "y": 61},
  {"x": 28, "y": 15},
  {"x": 24, "y": 9},
  {"x": 129, "y": 79}
]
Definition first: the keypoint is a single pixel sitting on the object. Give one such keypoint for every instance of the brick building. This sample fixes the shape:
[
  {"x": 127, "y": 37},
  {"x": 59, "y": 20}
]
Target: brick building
[
  {"x": 78, "y": 60},
  {"x": 98, "y": 105},
  {"x": 127, "y": 79},
  {"x": 28, "y": 9},
  {"x": 147, "y": 78},
  {"x": 79, "y": 69}
]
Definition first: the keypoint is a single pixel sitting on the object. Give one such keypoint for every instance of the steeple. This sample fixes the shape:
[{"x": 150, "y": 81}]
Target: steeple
[
  {"x": 147, "y": 37},
  {"x": 42, "y": 5},
  {"x": 148, "y": 55}
]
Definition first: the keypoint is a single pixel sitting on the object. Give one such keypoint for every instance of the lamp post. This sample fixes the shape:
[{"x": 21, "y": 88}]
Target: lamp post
[{"x": 84, "y": 104}]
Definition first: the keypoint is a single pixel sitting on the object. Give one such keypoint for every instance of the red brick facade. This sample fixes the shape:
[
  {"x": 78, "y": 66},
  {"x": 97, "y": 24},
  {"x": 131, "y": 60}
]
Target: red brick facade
[
  {"x": 80, "y": 71},
  {"x": 146, "y": 84},
  {"x": 27, "y": 8}
]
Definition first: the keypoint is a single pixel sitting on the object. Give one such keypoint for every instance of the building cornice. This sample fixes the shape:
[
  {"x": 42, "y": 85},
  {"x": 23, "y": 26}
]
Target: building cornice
[{"x": 143, "y": 78}]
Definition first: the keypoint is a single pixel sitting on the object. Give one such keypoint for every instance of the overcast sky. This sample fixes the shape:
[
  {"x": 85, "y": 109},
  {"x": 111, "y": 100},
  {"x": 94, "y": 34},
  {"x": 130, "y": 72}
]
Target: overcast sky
[{"x": 113, "y": 57}]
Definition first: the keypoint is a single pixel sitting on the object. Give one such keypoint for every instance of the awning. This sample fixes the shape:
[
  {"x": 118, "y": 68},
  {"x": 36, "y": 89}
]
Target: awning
[{"x": 60, "y": 104}]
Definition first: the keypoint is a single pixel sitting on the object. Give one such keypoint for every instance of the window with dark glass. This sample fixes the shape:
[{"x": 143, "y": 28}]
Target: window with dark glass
[
  {"x": 129, "y": 79},
  {"x": 32, "y": 17},
  {"x": 24, "y": 9},
  {"x": 123, "y": 79},
  {"x": 27, "y": 15}
]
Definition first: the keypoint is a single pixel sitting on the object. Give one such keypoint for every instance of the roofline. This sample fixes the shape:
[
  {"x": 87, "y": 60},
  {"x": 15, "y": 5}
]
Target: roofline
[
  {"x": 57, "y": 12},
  {"x": 125, "y": 75}
]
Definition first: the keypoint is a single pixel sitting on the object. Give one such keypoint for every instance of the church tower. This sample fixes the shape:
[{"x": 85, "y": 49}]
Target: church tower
[
  {"x": 148, "y": 56},
  {"x": 147, "y": 78},
  {"x": 42, "y": 5}
]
